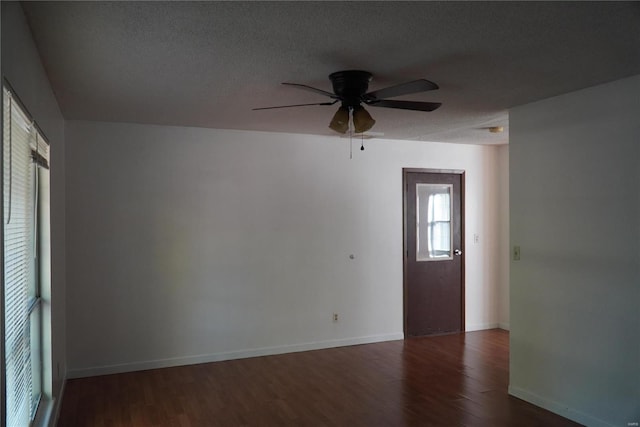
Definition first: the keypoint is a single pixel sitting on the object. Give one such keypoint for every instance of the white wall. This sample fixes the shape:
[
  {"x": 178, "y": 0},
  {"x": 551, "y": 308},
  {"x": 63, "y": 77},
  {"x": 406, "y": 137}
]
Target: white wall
[
  {"x": 189, "y": 244},
  {"x": 503, "y": 237},
  {"x": 575, "y": 212},
  {"x": 21, "y": 66}
]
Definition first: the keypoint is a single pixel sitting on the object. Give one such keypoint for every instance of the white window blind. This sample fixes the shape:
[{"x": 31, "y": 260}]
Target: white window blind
[{"x": 22, "y": 311}]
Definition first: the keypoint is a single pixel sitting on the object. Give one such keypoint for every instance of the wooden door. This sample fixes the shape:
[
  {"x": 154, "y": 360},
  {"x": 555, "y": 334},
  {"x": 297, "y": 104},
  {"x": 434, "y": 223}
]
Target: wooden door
[{"x": 434, "y": 257}]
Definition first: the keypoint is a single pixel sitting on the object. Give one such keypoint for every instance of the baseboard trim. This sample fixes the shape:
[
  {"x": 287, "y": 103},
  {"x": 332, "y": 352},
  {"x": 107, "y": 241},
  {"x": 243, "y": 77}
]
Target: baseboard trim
[
  {"x": 58, "y": 404},
  {"x": 480, "y": 327},
  {"x": 230, "y": 355},
  {"x": 43, "y": 414},
  {"x": 558, "y": 408}
]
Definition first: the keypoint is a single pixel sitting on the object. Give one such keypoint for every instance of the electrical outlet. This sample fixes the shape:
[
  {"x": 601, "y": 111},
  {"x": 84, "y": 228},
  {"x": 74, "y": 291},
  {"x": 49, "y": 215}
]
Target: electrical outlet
[
  {"x": 516, "y": 253},
  {"x": 335, "y": 317}
]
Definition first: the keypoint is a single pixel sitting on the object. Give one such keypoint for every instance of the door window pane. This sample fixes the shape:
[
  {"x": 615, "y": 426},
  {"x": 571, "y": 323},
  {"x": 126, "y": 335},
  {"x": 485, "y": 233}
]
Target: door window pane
[{"x": 433, "y": 222}]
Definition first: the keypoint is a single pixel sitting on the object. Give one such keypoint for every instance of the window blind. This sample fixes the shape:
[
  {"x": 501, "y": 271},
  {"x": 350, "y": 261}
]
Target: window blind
[{"x": 20, "y": 286}]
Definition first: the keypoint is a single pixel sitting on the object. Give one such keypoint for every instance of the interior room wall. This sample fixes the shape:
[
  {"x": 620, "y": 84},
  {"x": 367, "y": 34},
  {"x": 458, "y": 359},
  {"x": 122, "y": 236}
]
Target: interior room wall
[
  {"x": 503, "y": 230},
  {"x": 188, "y": 245},
  {"x": 575, "y": 293},
  {"x": 22, "y": 68}
]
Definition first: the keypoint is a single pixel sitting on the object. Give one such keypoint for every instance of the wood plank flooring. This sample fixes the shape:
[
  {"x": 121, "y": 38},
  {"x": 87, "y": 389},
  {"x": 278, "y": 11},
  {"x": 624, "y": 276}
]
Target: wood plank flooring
[{"x": 453, "y": 380}]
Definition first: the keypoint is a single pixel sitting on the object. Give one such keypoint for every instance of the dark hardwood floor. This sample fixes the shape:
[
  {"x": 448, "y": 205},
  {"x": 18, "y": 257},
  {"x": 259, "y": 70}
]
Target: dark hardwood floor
[{"x": 453, "y": 380}]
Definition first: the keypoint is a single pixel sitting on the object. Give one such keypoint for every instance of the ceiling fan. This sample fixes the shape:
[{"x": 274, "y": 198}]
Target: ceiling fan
[{"x": 350, "y": 88}]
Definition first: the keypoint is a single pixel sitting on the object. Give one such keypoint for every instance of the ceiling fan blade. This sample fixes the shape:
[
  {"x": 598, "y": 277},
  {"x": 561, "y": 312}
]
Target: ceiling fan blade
[
  {"x": 406, "y": 105},
  {"x": 415, "y": 86},
  {"x": 313, "y": 89},
  {"x": 295, "y": 105}
]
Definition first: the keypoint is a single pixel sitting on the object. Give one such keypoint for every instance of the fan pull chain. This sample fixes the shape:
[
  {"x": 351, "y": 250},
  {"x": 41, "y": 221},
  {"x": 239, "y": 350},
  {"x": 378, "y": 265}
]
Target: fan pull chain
[
  {"x": 350, "y": 145},
  {"x": 362, "y": 142}
]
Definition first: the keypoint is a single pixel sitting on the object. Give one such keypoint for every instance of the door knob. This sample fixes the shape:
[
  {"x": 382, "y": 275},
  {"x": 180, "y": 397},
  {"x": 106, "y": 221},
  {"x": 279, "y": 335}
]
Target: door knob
[{"x": 457, "y": 252}]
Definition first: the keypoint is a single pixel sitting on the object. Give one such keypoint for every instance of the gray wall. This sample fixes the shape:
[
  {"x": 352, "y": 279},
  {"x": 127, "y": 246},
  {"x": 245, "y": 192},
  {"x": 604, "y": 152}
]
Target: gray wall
[
  {"x": 187, "y": 245},
  {"x": 503, "y": 237},
  {"x": 21, "y": 66},
  {"x": 575, "y": 213}
]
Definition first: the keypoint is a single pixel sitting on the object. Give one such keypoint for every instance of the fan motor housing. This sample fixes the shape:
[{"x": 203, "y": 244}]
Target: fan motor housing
[{"x": 350, "y": 85}]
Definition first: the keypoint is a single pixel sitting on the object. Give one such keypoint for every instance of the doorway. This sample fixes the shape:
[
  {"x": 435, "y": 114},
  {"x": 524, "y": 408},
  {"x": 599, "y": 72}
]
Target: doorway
[{"x": 433, "y": 251}]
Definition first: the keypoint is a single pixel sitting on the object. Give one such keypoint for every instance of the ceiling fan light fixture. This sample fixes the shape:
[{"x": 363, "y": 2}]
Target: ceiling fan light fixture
[
  {"x": 340, "y": 120},
  {"x": 362, "y": 120},
  {"x": 350, "y": 88}
]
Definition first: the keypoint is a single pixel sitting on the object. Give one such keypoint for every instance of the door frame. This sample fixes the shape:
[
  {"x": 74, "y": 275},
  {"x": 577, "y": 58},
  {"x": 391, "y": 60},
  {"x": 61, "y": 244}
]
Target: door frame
[{"x": 405, "y": 247}]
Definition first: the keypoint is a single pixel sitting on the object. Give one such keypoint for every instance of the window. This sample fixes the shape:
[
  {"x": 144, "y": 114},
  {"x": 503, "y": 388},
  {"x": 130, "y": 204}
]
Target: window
[
  {"x": 433, "y": 222},
  {"x": 25, "y": 167}
]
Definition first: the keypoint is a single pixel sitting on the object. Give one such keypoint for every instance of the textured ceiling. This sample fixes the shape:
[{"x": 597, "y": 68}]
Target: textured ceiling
[{"x": 208, "y": 64}]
